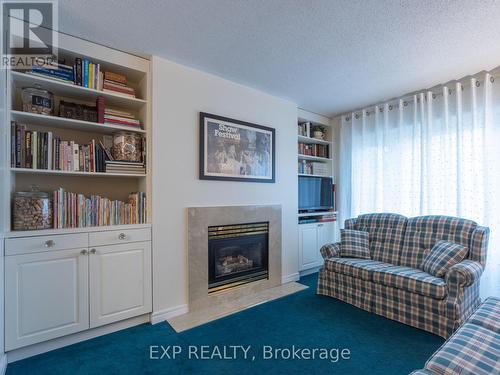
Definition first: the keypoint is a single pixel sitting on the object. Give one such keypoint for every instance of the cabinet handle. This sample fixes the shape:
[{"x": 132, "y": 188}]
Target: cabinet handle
[
  {"x": 93, "y": 251},
  {"x": 49, "y": 243},
  {"x": 320, "y": 225},
  {"x": 122, "y": 236},
  {"x": 84, "y": 252}
]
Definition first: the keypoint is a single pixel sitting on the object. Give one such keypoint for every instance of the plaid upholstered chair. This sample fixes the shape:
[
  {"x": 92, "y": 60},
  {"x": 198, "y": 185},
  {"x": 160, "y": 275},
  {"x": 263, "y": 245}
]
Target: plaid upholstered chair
[{"x": 391, "y": 282}]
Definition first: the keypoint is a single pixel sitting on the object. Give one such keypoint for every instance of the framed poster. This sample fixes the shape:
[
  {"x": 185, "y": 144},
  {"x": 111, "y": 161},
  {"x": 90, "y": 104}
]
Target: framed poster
[{"x": 234, "y": 150}]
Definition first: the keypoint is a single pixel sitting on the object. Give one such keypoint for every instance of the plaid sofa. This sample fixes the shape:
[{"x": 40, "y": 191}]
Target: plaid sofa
[
  {"x": 390, "y": 283},
  {"x": 474, "y": 349}
]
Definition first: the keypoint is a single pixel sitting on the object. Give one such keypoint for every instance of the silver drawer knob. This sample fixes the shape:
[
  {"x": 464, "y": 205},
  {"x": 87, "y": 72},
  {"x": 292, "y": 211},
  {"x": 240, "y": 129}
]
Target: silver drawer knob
[
  {"x": 49, "y": 243},
  {"x": 84, "y": 252},
  {"x": 122, "y": 236}
]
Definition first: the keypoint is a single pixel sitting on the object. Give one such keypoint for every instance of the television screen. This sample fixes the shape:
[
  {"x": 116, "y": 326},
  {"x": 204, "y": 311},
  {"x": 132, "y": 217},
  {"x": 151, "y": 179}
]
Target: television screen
[{"x": 315, "y": 193}]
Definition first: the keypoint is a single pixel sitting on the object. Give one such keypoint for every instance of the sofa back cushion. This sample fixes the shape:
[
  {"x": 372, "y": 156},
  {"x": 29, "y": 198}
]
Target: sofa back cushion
[
  {"x": 422, "y": 233},
  {"x": 386, "y": 233}
]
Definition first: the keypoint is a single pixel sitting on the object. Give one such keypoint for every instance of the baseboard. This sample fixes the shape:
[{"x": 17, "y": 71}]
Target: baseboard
[
  {"x": 162, "y": 315},
  {"x": 46, "y": 346},
  {"x": 309, "y": 271},
  {"x": 3, "y": 364},
  {"x": 289, "y": 278}
]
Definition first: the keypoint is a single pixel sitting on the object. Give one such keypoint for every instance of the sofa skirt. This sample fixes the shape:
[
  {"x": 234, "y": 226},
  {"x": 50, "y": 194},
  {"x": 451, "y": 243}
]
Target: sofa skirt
[{"x": 413, "y": 309}]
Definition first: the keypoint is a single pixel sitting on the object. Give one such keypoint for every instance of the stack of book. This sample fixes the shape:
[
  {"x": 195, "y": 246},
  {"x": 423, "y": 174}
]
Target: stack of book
[
  {"x": 74, "y": 210},
  {"x": 43, "y": 150},
  {"x": 313, "y": 150},
  {"x": 117, "y": 83},
  {"x": 126, "y": 167},
  {"x": 57, "y": 71},
  {"x": 119, "y": 117}
]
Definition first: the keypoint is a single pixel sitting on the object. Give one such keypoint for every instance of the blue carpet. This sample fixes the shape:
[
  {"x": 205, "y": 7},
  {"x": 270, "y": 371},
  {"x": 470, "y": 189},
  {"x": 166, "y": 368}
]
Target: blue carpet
[{"x": 306, "y": 320}]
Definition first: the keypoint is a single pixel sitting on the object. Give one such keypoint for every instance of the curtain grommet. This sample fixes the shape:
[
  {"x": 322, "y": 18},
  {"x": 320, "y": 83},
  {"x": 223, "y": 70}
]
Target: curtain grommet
[
  {"x": 492, "y": 79},
  {"x": 390, "y": 108},
  {"x": 478, "y": 83}
]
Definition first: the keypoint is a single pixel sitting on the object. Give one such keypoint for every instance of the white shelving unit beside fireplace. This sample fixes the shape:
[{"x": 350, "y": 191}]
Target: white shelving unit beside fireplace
[
  {"x": 63, "y": 280},
  {"x": 314, "y": 159}
]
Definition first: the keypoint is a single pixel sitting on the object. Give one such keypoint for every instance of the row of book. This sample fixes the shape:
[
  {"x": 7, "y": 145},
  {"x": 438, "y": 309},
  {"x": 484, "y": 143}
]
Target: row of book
[
  {"x": 313, "y": 150},
  {"x": 315, "y": 168},
  {"x": 85, "y": 73},
  {"x": 44, "y": 150},
  {"x": 74, "y": 210},
  {"x": 304, "y": 129}
]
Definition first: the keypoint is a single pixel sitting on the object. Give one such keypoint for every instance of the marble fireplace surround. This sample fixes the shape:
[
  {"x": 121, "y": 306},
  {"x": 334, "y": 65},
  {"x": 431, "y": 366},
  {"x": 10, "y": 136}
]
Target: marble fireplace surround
[{"x": 199, "y": 219}]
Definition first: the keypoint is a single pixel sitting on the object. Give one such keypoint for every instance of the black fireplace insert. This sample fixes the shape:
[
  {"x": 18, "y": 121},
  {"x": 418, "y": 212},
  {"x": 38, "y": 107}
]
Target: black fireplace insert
[{"x": 237, "y": 254}]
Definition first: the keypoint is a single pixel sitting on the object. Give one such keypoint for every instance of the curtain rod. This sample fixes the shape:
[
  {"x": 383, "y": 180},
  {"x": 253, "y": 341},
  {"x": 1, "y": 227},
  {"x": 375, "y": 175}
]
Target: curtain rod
[{"x": 435, "y": 90}]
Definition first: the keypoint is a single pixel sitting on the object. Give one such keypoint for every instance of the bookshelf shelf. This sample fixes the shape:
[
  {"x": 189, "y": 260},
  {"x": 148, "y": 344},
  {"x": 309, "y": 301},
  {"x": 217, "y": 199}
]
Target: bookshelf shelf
[
  {"x": 69, "y": 90},
  {"x": 313, "y": 158},
  {"x": 312, "y": 175},
  {"x": 310, "y": 140},
  {"x": 320, "y": 213},
  {"x": 66, "y": 123},
  {"x": 74, "y": 173}
]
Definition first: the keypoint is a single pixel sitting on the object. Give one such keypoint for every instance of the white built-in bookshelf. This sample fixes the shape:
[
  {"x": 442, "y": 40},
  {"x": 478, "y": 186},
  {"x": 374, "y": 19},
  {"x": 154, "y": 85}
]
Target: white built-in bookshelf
[
  {"x": 115, "y": 186},
  {"x": 324, "y": 160}
]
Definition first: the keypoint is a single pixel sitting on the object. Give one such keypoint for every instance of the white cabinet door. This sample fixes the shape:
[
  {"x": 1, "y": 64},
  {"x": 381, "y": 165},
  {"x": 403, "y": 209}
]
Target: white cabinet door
[
  {"x": 326, "y": 233},
  {"x": 46, "y": 296},
  {"x": 308, "y": 246},
  {"x": 120, "y": 282}
]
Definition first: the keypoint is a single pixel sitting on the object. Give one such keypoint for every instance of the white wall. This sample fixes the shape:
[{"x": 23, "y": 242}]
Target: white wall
[{"x": 179, "y": 94}]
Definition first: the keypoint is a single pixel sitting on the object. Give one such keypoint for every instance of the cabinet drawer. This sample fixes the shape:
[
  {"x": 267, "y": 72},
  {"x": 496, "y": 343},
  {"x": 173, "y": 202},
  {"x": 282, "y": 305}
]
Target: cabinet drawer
[
  {"x": 113, "y": 237},
  {"x": 28, "y": 245}
]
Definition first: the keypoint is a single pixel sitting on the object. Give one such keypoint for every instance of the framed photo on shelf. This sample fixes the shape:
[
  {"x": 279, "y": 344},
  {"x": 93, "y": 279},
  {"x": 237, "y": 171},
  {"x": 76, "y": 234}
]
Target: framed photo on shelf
[{"x": 234, "y": 150}]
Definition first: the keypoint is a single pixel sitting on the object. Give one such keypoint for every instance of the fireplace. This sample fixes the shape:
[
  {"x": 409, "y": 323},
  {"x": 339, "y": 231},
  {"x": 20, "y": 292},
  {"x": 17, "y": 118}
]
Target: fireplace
[{"x": 237, "y": 254}]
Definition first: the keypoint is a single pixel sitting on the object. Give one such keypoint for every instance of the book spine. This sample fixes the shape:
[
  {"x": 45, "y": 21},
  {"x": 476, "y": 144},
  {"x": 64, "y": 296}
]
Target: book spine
[
  {"x": 100, "y": 109},
  {"x": 76, "y": 158},
  {"x": 78, "y": 71},
  {"x": 18, "y": 146},
  {"x": 85, "y": 73},
  {"x": 91, "y": 75},
  {"x": 34, "y": 150}
]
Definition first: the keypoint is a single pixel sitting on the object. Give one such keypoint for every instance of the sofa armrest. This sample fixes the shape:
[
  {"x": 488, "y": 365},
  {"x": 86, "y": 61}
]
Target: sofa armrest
[
  {"x": 331, "y": 250},
  {"x": 463, "y": 274}
]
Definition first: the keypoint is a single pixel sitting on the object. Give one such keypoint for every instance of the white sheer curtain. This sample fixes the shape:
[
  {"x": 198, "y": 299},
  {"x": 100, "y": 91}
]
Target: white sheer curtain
[{"x": 431, "y": 153}]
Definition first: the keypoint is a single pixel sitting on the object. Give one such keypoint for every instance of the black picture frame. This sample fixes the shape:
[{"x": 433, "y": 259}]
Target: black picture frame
[{"x": 265, "y": 133}]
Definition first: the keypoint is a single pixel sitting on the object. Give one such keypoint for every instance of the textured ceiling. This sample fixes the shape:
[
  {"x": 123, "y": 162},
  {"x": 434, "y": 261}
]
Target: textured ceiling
[{"x": 327, "y": 56}]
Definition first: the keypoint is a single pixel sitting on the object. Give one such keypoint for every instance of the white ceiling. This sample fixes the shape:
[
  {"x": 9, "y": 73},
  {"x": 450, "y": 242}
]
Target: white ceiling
[{"x": 328, "y": 56}]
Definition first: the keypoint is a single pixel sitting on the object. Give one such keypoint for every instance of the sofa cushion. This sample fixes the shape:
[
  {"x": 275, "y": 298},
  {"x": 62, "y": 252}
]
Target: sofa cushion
[
  {"x": 412, "y": 280},
  {"x": 442, "y": 256},
  {"x": 488, "y": 315},
  {"x": 386, "y": 235},
  {"x": 359, "y": 268},
  {"x": 472, "y": 350},
  {"x": 354, "y": 244},
  {"x": 423, "y": 232}
]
